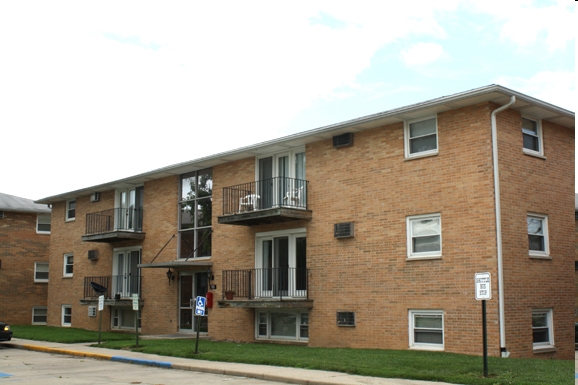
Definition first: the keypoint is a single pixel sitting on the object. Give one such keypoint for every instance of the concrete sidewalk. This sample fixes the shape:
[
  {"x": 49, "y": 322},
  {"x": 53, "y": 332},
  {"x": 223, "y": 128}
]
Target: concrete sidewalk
[{"x": 269, "y": 373}]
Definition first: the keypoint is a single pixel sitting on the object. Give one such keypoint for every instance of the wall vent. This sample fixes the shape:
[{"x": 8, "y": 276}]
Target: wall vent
[
  {"x": 95, "y": 197},
  {"x": 343, "y": 230},
  {"x": 345, "y": 318},
  {"x": 92, "y": 311},
  {"x": 93, "y": 255},
  {"x": 343, "y": 140}
]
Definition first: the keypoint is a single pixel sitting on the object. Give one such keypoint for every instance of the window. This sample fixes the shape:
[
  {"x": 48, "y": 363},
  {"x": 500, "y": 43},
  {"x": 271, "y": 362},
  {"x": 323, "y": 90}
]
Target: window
[
  {"x": 281, "y": 180},
  {"x": 40, "y": 271},
  {"x": 532, "y": 136},
  {"x": 426, "y": 329},
  {"x": 70, "y": 210},
  {"x": 421, "y": 137},
  {"x": 123, "y": 318},
  {"x": 538, "y": 235},
  {"x": 424, "y": 236},
  {"x": 39, "y": 314},
  {"x": 68, "y": 264},
  {"x": 542, "y": 329},
  {"x": 43, "y": 224},
  {"x": 196, "y": 208},
  {"x": 66, "y": 315},
  {"x": 281, "y": 264},
  {"x": 282, "y": 325}
]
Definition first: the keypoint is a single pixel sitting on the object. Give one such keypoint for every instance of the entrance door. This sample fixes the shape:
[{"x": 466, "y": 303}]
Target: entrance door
[
  {"x": 192, "y": 285},
  {"x": 126, "y": 274}
]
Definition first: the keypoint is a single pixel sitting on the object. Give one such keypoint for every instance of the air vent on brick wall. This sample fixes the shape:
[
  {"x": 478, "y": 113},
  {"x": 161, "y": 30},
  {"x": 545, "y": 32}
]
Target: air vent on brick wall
[
  {"x": 343, "y": 230},
  {"x": 92, "y": 311},
  {"x": 345, "y": 318},
  {"x": 93, "y": 255},
  {"x": 95, "y": 197},
  {"x": 343, "y": 140}
]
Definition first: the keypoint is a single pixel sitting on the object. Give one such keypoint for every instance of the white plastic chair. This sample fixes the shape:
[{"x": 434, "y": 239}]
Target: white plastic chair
[
  {"x": 293, "y": 197},
  {"x": 248, "y": 202}
]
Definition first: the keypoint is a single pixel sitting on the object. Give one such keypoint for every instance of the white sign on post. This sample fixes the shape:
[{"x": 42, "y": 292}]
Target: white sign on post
[
  {"x": 483, "y": 286},
  {"x": 100, "y": 302},
  {"x": 135, "y": 302}
]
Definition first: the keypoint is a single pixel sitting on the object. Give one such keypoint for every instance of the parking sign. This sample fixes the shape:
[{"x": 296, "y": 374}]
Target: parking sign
[{"x": 200, "y": 306}]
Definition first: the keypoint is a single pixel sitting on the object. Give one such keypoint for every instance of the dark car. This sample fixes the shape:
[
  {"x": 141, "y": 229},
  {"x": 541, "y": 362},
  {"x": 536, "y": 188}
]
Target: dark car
[{"x": 5, "y": 332}]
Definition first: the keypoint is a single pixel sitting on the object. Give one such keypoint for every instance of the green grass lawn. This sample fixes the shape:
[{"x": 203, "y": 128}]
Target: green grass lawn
[{"x": 418, "y": 365}]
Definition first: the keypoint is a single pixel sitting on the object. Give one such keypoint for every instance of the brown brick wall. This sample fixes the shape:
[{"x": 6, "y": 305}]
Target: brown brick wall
[
  {"x": 372, "y": 185},
  {"x": 20, "y": 248},
  {"x": 532, "y": 184}
]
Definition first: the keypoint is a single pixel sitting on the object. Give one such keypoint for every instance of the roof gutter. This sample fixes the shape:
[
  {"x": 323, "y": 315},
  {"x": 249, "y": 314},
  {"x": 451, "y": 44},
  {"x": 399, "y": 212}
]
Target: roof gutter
[{"x": 501, "y": 310}]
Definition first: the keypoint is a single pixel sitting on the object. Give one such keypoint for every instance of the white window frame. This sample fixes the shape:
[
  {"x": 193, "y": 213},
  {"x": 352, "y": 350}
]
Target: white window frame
[
  {"x": 550, "y": 326},
  {"x": 34, "y": 309},
  {"x": 66, "y": 311},
  {"x": 36, "y": 279},
  {"x": 538, "y": 135},
  {"x": 65, "y": 264},
  {"x": 407, "y": 138},
  {"x": 411, "y": 254},
  {"x": 539, "y": 253},
  {"x": 421, "y": 345},
  {"x": 298, "y": 322},
  {"x": 41, "y": 219},
  {"x": 67, "y": 210}
]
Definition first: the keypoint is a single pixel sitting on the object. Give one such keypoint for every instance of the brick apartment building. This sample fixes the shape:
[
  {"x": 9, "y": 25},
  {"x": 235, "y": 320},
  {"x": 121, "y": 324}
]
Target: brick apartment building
[
  {"x": 362, "y": 234},
  {"x": 24, "y": 243}
]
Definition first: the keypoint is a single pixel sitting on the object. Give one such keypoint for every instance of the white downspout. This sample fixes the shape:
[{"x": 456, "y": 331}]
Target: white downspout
[{"x": 501, "y": 310}]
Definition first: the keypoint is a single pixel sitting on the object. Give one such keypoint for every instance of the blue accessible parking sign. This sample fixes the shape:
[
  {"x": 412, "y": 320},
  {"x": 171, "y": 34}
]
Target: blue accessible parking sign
[{"x": 200, "y": 306}]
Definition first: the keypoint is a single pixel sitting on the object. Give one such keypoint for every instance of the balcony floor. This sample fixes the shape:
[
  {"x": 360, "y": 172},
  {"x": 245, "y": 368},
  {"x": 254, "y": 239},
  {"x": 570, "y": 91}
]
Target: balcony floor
[
  {"x": 268, "y": 216},
  {"x": 113, "y": 236},
  {"x": 290, "y": 303}
]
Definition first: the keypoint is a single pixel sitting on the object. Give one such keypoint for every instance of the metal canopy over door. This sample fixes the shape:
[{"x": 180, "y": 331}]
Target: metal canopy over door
[
  {"x": 191, "y": 285},
  {"x": 126, "y": 274}
]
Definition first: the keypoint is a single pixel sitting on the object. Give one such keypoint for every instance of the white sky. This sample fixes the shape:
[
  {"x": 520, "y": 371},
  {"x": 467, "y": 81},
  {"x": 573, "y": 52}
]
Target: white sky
[{"x": 92, "y": 92}]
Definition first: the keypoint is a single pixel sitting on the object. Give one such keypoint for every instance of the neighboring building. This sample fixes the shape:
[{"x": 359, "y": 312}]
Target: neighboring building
[
  {"x": 24, "y": 243},
  {"x": 362, "y": 234}
]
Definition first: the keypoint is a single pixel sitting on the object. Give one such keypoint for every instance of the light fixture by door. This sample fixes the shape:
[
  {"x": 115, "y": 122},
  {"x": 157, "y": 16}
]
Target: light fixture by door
[{"x": 170, "y": 276}]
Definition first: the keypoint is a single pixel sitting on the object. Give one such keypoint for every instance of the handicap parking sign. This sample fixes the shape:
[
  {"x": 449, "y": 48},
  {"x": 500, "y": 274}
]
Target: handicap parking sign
[{"x": 200, "y": 306}]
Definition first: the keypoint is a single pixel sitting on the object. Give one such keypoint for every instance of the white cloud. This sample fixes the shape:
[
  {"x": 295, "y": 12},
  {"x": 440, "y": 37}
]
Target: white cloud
[
  {"x": 422, "y": 54},
  {"x": 524, "y": 22},
  {"x": 554, "y": 87}
]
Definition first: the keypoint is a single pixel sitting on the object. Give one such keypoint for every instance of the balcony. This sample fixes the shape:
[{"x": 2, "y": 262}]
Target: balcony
[
  {"x": 267, "y": 287},
  {"x": 114, "y": 225},
  {"x": 117, "y": 289},
  {"x": 266, "y": 201}
]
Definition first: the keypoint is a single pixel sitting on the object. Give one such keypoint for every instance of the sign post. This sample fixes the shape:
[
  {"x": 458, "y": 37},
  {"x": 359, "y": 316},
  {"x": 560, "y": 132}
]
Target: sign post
[
  {"x": 483, "y": 293},
  {"x": 135, "y": 308},
  {"x": 199, "y": 312},
  {"x": 100, "y": 309}
]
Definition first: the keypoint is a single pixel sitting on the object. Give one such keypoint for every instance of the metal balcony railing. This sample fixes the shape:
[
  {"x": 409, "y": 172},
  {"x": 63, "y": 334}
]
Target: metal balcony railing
[
  {"x": 116, "y": 286},
  {"x": 275, "y": 283},
  {"x": 114, "y": 220},
  {"x": 265, "y": 194}
]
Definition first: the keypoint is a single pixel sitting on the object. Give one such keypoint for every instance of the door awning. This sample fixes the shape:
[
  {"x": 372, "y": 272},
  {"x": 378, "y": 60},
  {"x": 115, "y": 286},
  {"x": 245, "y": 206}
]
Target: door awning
[{"x": 177, "y": 264}]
